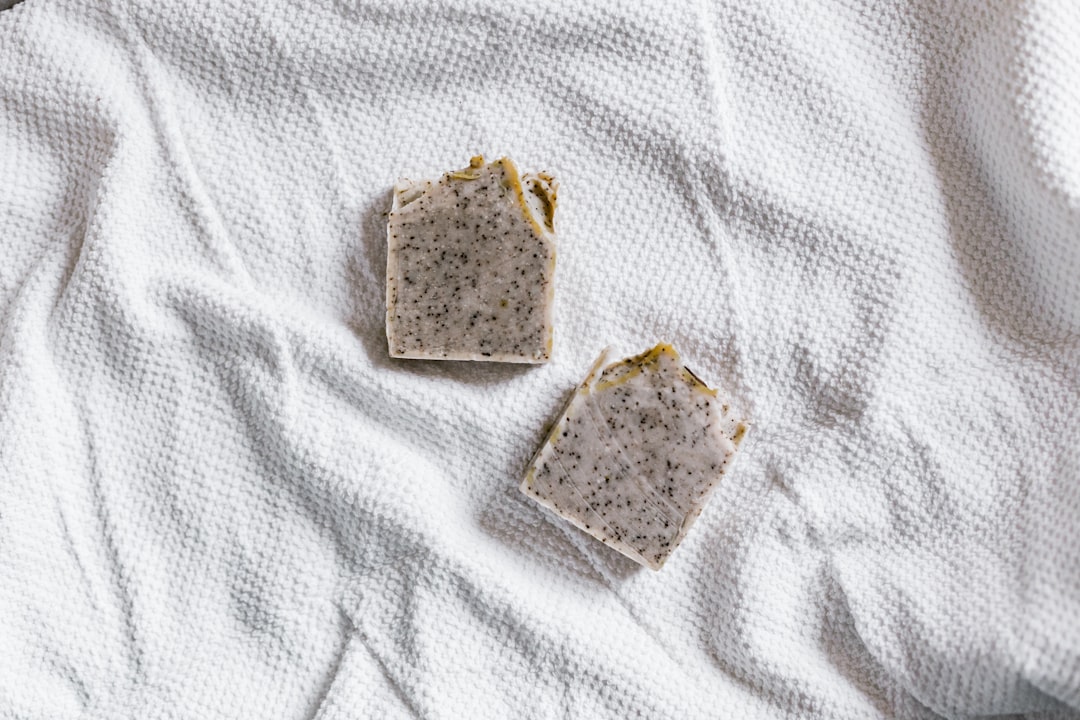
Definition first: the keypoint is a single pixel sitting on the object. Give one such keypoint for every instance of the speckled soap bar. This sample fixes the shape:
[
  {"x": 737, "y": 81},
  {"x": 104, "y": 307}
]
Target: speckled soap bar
[
  {"x": 470, "y": 265},
  {"x": 636, "y": 454}
]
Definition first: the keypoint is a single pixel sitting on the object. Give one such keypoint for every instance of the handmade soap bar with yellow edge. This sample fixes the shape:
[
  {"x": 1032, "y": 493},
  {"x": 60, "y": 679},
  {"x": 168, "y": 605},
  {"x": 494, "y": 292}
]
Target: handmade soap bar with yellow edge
[
  {"x": 470, "y": 265},
  {"x": 638, "y": 450}
]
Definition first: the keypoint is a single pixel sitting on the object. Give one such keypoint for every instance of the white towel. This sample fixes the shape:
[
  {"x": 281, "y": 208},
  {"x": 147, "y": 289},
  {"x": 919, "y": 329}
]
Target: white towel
[{"x": 219, "y": 497}]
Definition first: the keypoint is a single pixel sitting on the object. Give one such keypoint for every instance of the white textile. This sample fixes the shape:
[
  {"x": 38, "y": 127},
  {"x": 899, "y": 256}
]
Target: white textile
[{"x": 219, "y": 497}]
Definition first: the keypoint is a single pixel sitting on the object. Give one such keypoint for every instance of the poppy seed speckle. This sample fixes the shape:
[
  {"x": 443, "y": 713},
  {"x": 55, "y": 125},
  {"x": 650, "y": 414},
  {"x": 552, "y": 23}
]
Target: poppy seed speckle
[
  {"x": 650, "y": 441},
  {"x": 475, "y": 252}
]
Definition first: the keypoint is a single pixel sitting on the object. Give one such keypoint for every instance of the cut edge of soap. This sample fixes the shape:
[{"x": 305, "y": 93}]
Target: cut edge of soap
[
  {"x": 542, "y": 184},
  {"x": 586, "y": 387},
  {"x": 472, "y": 357}
]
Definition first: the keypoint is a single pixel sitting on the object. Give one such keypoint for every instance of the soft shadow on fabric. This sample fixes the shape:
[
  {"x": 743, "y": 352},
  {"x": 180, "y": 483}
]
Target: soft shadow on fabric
[{"x": 1011, "y": 236}]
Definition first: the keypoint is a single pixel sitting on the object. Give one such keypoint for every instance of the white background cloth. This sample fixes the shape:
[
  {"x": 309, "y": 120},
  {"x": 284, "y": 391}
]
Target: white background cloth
[{"x": 220, "y": 498}]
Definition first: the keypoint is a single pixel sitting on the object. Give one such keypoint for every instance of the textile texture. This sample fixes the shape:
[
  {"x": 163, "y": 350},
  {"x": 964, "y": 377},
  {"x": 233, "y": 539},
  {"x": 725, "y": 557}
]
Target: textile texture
[{"x": 221, "y": 498}]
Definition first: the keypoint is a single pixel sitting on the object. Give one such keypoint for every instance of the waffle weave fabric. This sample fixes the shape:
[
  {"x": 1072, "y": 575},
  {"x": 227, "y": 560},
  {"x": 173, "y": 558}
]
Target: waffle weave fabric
[{"x": 220, "y": 498}]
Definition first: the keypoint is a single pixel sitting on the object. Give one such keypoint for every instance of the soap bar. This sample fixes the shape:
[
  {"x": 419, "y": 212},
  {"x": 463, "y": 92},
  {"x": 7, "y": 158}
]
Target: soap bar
[
  {"x": 470, "y": 265},
  {"x": 636, "y": 454}
]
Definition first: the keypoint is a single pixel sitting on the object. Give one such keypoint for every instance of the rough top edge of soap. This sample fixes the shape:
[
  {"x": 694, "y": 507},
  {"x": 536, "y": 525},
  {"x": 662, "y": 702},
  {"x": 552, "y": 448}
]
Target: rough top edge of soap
[{"x": 540, "y": 185}]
